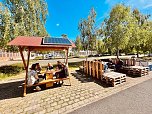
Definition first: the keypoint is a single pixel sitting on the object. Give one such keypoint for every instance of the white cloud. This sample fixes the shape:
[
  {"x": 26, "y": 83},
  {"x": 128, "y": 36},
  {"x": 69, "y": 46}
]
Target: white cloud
[
  {"x": 142, "y": 5},
  {"x": 147, "y": 6},
  {"x": 57, "y": 24}
]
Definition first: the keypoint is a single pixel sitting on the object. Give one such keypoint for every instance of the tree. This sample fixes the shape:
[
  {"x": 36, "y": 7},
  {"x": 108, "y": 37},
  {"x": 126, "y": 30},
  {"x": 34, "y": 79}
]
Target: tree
[
  {"x": 64, "y": 35},
  {"x": 116, "y": 27},
  {"x": 78, "y": 43},
  {"x": 4, "y": 25},
  {"x": 87, "y": 31},
  {"x": 139, "y": 30},
  {"x": 101, "y": 47},
  {"x": 27, "y": 17}
]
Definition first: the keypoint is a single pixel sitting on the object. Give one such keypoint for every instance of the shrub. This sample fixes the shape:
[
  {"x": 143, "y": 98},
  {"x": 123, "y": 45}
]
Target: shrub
[{"x": 11, "y": 70}]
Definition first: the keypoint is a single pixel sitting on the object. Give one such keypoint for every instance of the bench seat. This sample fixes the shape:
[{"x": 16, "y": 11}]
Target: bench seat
[{"x": 50, "y": 80}]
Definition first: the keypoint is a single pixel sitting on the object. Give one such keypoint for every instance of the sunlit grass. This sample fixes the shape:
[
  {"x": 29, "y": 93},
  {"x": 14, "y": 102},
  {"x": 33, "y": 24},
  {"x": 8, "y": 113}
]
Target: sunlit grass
[{"x": 14, "y": 70}]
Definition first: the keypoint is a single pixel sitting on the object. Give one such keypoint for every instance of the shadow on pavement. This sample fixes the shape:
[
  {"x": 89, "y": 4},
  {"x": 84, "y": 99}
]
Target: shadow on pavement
[
  {"x": 11, "y": 90},
  {"x": 84, "y": 79},
  {"x": 15, "y": 89}
]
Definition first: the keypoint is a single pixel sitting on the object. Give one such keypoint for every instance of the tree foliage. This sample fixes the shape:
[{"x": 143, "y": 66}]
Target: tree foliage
[
  {"x": 116, "y": 27},
  {"x": 23, "y": 18},
  {"x": 78, "y": 43},
  {"x": 87, "y": 31}
]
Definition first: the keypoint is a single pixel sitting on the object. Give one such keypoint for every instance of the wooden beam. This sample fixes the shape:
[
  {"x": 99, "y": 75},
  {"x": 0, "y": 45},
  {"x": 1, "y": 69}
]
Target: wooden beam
[
  {"x": 22, "y": 56},
  {"x": 25, "y": 85},
  {"x": 47, "y": 48}
]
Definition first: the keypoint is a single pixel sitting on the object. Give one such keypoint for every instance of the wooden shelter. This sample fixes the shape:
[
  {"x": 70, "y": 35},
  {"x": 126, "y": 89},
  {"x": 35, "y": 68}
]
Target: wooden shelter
[{"x": 39, "y": 44}]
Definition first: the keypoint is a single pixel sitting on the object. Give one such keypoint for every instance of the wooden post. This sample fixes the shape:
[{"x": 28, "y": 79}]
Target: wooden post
[
  {"x": 87, "y": 68},
  {"x": 100, "y": 70},
  {"x": 66, "y": 61},
  {"x": 90, "y": 68},
  {"x": 93, "y": 69},
  {"x": 22, "y": 56},
  {"x": 84, "y": 66},
  {"x": 25, "y": 66},
  {"x": 96, "y": 69},
  {"x": 28, "y": 58},
  {"x": 134, "y": 62}
]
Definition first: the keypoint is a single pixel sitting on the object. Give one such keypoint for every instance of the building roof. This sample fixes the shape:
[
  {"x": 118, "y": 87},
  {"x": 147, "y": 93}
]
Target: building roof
[{"x": 42, "y": 42}]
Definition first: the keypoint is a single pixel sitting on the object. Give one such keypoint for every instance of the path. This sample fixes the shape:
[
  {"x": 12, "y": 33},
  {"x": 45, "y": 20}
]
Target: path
[
  {"x": 58, "y": 100},
  {"x": 135, "y": 100}
]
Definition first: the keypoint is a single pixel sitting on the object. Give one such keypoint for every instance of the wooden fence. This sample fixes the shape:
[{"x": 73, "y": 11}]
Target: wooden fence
[
  {"x": 4, "y": 56},
  {"x": 127, "y": 62},
  {"x": 93, "y": 68}
]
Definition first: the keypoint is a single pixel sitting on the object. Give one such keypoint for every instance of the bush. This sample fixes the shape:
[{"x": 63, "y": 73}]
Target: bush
[
  {"x": 38, "y": 58},
  {"x": 8, "y": 70}
]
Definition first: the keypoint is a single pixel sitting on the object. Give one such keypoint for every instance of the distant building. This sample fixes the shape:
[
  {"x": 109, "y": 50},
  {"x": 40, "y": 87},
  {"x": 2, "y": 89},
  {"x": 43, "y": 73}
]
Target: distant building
[{"x": 85, "y": 53}]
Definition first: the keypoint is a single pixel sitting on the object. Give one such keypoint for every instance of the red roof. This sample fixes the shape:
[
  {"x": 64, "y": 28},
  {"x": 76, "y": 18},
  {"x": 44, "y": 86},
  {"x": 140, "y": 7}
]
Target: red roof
[
  {"x": 37, "y": 43},
  {"x": 26, "y": 41}
]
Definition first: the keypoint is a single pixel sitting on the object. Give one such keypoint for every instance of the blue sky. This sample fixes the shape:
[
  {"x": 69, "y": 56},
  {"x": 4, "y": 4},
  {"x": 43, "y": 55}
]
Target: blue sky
[{"x": 64, "y": 15}]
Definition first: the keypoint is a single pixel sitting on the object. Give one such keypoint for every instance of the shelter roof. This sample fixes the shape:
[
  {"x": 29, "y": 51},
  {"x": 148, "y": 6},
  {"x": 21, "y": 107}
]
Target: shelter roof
[{"x": 42, "y": 42}]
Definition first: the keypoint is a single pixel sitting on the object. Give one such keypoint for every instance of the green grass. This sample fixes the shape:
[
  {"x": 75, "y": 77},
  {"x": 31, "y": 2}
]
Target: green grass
[
  {"x": 11, "y": 70},
  {"x": 15, "y": 69}
]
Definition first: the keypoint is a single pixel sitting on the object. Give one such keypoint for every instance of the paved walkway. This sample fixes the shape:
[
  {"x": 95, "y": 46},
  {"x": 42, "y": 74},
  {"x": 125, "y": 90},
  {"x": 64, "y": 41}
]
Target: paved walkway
[
  {"x": 58, "y": 100},
  {"x": 135, "y": 100}
]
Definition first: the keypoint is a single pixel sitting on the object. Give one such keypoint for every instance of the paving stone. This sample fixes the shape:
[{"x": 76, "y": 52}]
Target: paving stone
[
  {"x": 75, "y": 105},
  {"x": 60, "y": 102},
  {"x": 49, "y": 110},
  {"x": 61, "y": 99},
  {"x": 54, "y": 104},
  {"x": 67, "y": 99},
  {"x": 55, "y": 112},
  {"x": 76, "y": 100},
  {"x": 64, "y": 104},
  {"x": 57, "y": 107},
  {"x": 71, "y": 102},
  {"x": 42, "y": 112},
  {"x": 61, "y": 110},
  {"x": 69, "y": 107}
]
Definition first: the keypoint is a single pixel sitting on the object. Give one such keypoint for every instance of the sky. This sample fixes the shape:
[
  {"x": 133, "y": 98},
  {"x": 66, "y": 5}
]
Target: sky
[{"x": 64, "y": 15}]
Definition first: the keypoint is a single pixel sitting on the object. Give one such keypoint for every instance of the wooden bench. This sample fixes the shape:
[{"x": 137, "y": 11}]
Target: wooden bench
[{"x": 49, "y": 82}]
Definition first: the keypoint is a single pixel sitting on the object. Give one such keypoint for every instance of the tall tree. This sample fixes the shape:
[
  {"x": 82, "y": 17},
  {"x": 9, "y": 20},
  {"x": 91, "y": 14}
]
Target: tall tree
[
  {"x": 5, "y": 21},
  {"x": 139, "y": 30},
  {"x": 27, "y": 17},
  {"x": 78, "y": 43},
  {"x": 87, "y": 31},
  {"x": 64, "y": 35},
  {"x": 116, "y": 27}
]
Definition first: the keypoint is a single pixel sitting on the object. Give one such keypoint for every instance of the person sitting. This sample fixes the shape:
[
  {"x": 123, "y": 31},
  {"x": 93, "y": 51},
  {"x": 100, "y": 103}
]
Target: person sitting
[
  {"x": 49, "y": 67},
  {"x": 38, "y": 68},
  {"x": 119, "y": 65},
  {"x": 105, "y": 64},
  {"x": 110, "y": 64},
  {"x": 59, "y": 65},
  {"x": 33, "y": 77},
  {"x": 62, "y": 73}
]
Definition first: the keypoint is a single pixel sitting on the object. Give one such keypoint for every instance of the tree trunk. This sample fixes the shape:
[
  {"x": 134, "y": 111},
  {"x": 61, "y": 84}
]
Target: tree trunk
[
  {"x": 117, "y": 53},
  {"x": 137, "y": 53},
  {"x": 149, "y": 53}
]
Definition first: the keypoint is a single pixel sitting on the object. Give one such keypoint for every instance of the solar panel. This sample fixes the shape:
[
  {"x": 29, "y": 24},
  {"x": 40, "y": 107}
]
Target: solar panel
[{"x": 56, "y": 41}]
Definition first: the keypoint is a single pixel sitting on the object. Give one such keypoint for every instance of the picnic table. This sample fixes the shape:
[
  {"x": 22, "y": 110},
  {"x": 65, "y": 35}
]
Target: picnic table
[{"x": 50, "y": 78}]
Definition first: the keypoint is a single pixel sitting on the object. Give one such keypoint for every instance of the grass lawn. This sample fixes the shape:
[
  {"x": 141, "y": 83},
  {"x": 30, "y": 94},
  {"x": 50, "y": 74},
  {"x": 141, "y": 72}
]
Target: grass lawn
[{"x": 17, "y": 70}]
